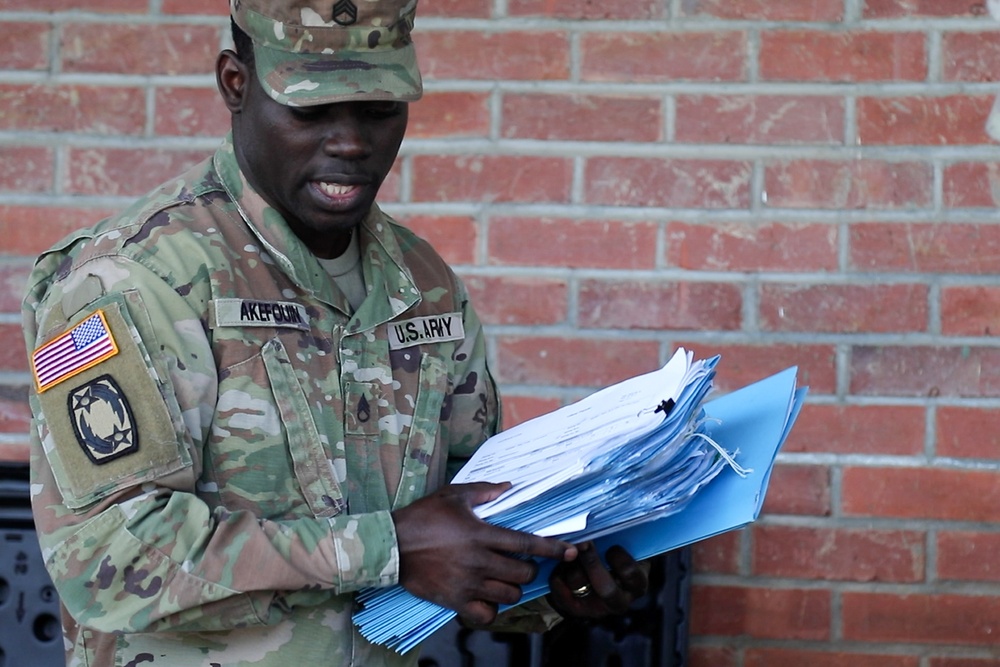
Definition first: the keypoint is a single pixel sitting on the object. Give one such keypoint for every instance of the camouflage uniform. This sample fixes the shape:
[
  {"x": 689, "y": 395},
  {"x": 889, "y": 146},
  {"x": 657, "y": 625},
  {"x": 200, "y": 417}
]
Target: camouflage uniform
[{"x": 213, "y": 485}]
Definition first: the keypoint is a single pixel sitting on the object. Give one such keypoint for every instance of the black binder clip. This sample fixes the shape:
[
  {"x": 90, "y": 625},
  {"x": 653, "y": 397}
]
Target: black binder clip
[{"x": 665, "y": 407}]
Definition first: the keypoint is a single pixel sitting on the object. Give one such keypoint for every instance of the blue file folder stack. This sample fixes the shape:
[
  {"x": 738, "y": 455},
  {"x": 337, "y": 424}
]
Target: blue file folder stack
[{"x": 647, "y": 463}]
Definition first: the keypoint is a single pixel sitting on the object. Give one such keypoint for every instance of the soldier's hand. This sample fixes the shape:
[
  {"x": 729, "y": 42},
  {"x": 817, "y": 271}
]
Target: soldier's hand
[
  {"x": 453, "y": 558},
  {"x": 586, "y": 589}
]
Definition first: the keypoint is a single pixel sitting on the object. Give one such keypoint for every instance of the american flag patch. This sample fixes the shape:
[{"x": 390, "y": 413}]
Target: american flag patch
[{"x": 87, "y": 344}]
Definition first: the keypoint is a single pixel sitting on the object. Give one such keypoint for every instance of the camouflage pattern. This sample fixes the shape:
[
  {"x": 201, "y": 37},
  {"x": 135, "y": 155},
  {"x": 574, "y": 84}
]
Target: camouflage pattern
[
  {"x": 310, "y": 52},
  {"x": 269, "y": 455}
]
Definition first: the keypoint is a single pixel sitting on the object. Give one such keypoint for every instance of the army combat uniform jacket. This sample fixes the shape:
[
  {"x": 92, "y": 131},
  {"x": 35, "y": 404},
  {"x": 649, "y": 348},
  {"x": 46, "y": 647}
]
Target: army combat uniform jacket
[{"x": 218, "y": 441}]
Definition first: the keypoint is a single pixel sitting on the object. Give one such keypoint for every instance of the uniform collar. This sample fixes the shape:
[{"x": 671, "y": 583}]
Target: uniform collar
[{"x": 391, "y": 288}]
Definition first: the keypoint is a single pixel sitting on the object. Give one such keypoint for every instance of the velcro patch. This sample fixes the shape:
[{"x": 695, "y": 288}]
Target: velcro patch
[
  {"x": 84, "y": 346},
  {"x": 257, "y": 313},
  {"x": 111, "y": 428},
  {"x": 430, "y": 329}
]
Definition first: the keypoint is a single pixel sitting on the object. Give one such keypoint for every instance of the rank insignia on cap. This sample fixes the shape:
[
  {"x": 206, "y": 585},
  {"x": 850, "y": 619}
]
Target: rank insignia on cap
[
  {"x": 85, "y": 345},
  {"x": 102, "y": 420}
]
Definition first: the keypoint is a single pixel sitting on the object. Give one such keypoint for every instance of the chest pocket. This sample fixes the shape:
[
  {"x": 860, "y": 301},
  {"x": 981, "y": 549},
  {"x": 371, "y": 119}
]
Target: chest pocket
[
  {"x": 265, "y": 452},
  {"x": 313, "y": 468},
  {"x": 420, "y": 446}
]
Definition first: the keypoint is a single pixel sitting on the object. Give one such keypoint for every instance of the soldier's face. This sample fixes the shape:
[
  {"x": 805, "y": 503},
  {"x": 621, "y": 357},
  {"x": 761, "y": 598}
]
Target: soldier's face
[{"x": 319, "y": 166}]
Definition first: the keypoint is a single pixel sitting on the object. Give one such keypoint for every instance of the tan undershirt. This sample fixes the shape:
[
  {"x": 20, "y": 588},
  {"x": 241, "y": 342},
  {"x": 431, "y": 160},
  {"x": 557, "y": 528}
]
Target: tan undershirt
[{"x": 347, "y": 274}]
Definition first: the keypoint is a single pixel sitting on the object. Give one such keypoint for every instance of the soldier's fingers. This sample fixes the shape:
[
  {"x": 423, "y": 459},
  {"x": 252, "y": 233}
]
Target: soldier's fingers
[
  {"x": 513, "y": 541},
  {"x": 478, "y": 613},
  {"x": 630, "y": 573},
  {"x": 602, "y": 581}
]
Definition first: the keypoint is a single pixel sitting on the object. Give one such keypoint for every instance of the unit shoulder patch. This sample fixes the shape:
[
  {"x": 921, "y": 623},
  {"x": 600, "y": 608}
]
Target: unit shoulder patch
[{"x": 102, "y": 420}]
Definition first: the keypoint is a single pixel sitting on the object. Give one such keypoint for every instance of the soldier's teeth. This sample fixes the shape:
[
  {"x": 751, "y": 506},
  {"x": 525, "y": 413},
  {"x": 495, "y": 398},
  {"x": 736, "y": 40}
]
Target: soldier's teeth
[{"x": 333, "y": 189}]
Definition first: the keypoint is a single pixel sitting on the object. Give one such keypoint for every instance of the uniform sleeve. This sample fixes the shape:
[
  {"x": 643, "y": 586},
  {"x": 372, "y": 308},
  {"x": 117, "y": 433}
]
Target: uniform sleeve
[{"x": 116, "y": 460}]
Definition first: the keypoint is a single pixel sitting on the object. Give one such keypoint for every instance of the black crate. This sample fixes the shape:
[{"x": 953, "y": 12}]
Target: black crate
[{"x": 30, "y": 632}]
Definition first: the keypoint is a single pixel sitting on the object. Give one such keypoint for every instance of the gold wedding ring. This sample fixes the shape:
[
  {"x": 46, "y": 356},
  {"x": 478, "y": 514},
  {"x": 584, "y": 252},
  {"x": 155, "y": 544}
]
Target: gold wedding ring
[{"x": 581, "y": 592}]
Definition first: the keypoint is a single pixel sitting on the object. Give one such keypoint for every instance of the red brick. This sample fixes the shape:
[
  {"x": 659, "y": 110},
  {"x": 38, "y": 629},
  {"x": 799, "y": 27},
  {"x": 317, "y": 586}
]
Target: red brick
[
  {"x": 519, "y": 409},
  {"x": 15, "y": 452},
  {"x": 624, "y": 181},
  {"x": 695, "y": 56},
  {"x": 971, "y": 56},
  {"x": 125, "y": 171},
  {"x": 195, "y": 7},
  {"x": 519, "y": 300},
  {"x": 964, "y": 662},
  {"x": 13, "y": 279},
  {"x": 454, "y": 237},
  {"x": 588, "y": 10},
  {"x": 519, "y": 56},
  {"x": 759, "y": 119},
  {"x": 968, "y": 432},
  {"x": 855, "y": 184},
  {"x": 456, "y": 8},
  {"x": 582, "y": 118},
  {"x": 131, "y": 6},
  {"x": 858, "y": 429},
  {"x": 191, "y": 112},
  {"x": 920, "y": 493},
  {"x": 25, "y": 45},
  {"x": 894, "y": 9},
  {"x": 26, "y": 169},
  {"x": 752, "y": 246},
  {"x": 792, "y": 657},
  {"x": 15, "y": 413},
  {"x": 450, "y": 114},
  {"x": 762, "y": 613},
  {"x": 838, "y": 555},
  {"x": 28, "y": 230},
  {"x": 925, "y": 371},
  {"x": 942, "y": 248},
  {"x": 13, "y": 356},
  {"x": 719, "y": 554},
  {"x": 801, "y": 490},
  {"x": 391, "y": 186},
  {"x": 765, "y": 10},
  {"x": 810, "y": 55},
  {"x": 85, "y": 109},
  {"x": 924, "y": 121},
  {"x": 844, "y": 308},
  {"x": 744, "y": 364},
  {"x": 970, "y": 311},
  {"x": 712, "y": 656},
  {"x": 921, "y": 619},
  {"x": 488, "y": 178},
  {"x": 972, "y": 184},
  {"x": 968, "y": 556},
  {"x": 572, "y": 243},
  {"x": 567, "y": 362},
  {"x": 641, "y": 304},
  {"x": 125, "y": 49}
]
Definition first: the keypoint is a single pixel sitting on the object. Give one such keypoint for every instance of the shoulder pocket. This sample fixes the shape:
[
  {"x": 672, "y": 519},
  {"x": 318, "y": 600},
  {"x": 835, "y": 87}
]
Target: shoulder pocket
[{"x": 105, "y": 425}]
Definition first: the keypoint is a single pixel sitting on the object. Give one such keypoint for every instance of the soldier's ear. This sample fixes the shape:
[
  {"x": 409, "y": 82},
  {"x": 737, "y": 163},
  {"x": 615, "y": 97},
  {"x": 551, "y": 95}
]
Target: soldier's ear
[{"x": 232, "y": 76}]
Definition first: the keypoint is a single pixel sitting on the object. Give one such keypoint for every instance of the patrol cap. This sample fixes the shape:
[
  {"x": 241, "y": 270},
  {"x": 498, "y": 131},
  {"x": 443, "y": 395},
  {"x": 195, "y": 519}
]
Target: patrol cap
[{"x": 309, "y": 52}]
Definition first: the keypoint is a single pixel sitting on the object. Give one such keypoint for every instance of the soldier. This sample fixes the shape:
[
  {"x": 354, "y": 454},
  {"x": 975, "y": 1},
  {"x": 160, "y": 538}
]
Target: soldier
[{"x": 252, "y": 386}]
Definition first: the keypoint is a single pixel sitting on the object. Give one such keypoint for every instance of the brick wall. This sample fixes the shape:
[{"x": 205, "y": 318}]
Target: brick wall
[{"x": 780, "y": 181}]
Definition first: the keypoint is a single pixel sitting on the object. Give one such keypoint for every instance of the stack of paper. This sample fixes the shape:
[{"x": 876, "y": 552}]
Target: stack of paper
[{"x": 629, "y": 465}]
